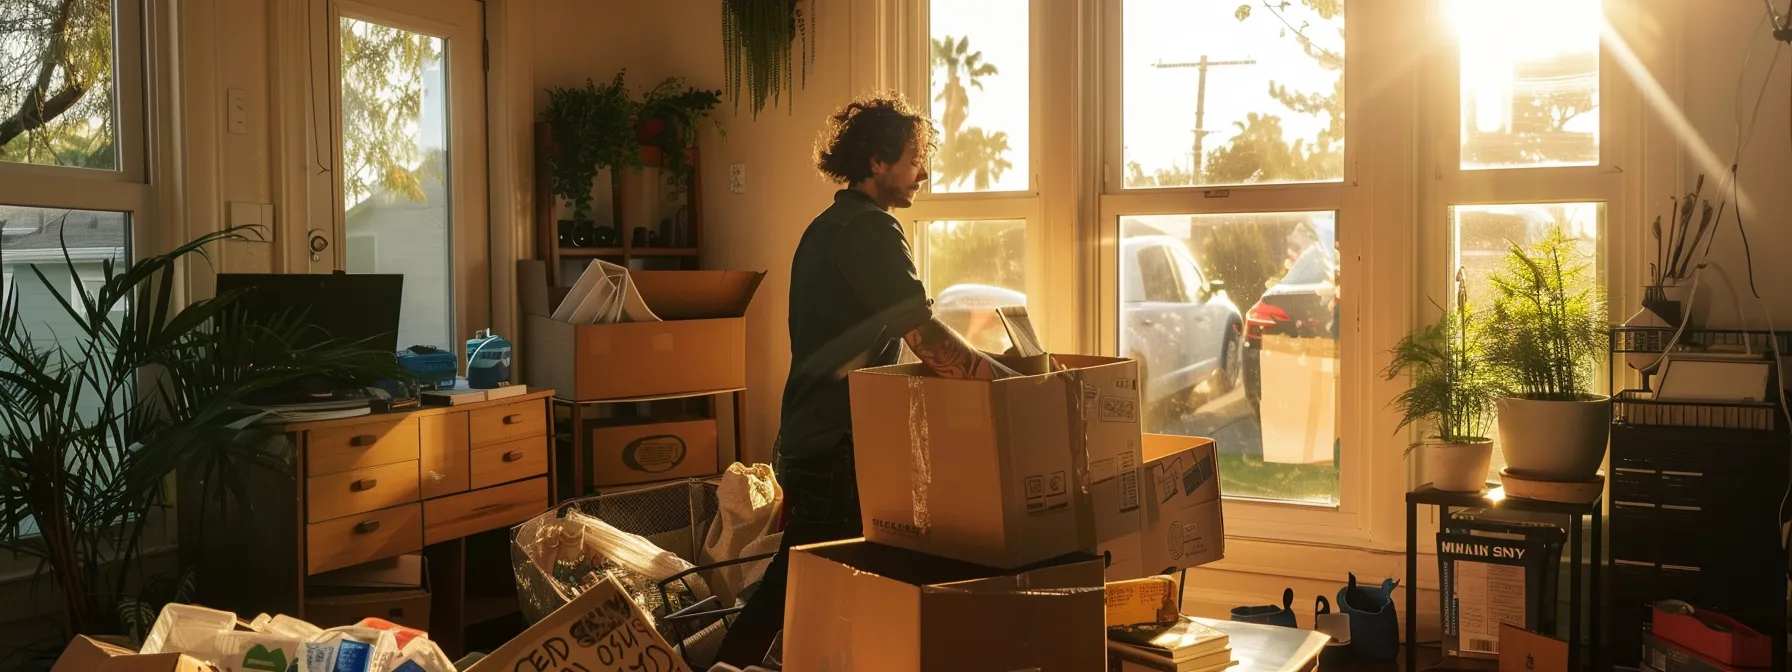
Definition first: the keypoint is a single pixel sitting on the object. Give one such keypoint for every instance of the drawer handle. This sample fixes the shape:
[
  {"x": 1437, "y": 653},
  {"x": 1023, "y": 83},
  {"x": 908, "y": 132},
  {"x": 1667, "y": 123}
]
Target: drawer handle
[
  {"x": 513, "y": 456},
  {"x": 488, "y": 507},
  {"x": 362, "y": 441},
  {"x": 363, "y": 485},
  {"x": 367, "y": 526},
  {"x": 513, "y": 418}
]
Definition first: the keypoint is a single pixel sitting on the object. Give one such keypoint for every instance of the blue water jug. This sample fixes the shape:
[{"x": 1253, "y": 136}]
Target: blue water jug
[{"x": 488, "y": 361}]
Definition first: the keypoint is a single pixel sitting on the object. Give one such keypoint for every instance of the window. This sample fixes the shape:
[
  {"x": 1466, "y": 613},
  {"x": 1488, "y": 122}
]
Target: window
[
  {"x": 1249, "y": 357},
  {"x": 980, "y": 62},
  {"x": 1529, "y": 82},
  {"x": 412, "y": 174},
  {"x": 60, "y": 96},
  {"x": 973, "y": 268},
  {"x": 1221, "y": 93},
  {"x": 34, "y": 240}
]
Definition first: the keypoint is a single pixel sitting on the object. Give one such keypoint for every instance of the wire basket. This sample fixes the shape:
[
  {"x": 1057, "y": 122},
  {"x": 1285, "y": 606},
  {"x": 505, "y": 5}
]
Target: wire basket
[{"x": 675, "y": 516}]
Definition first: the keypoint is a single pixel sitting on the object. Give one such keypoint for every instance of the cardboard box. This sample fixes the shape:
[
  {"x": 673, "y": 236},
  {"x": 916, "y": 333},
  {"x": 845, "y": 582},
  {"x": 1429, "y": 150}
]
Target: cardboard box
[
  {"x": 601, "y": 630},
  {"x": 1183, "y": 525},
  {"x": 630, "y": 454},
  {"x": 395, "y": 589},
  {"x": 86, "y": 654},
  {"x": 992, "y": 473},
  {"x": 855, "y": 605},
  {"x": 700, "y": 345}
]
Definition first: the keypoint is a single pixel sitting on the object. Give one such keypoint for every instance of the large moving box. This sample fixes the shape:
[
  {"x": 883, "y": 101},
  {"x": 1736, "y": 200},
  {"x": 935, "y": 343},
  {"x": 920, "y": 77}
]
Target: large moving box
[
  {"x": 645, "y": 453},
  {"x": 855, "y": 605},
  {"x": 601, "y": 629},
  {"x": 701, "y": 344},
  {"x": 995, "y": 473}
]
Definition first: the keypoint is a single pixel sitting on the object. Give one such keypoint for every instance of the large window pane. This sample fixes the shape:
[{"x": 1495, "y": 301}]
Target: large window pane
[
  {"x": 395, "y": 169},
  {"x": 973, "y": 268},
  {"x": 1234, "y": 322},
  {"x": 980, "y": 95},
  {"x": 1485, "y": 233},
  {"x": 56, "y": 83},
  {"x": 1530, "y": 82},
  {"x": 1224, "y": 92}
]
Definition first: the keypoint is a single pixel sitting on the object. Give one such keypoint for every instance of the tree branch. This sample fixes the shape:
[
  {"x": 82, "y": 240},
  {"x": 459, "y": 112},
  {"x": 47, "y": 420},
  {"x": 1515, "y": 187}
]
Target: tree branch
[{"x": 39, "y": 107}]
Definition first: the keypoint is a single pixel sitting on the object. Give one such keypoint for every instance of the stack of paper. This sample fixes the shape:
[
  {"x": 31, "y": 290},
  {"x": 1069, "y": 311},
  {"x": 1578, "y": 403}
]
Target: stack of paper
[{"x": 604, "y": 294}]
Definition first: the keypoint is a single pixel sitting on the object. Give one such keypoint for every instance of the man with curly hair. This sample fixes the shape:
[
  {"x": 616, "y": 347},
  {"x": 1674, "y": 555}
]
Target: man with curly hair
[{"x": 855, "y": 297}]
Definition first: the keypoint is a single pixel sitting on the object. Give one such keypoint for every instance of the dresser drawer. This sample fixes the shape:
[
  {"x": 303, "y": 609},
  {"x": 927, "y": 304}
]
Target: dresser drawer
[
  {"x": 351, "y": 541},
  {"x": 480, "y": 510},
  {"x": 337, "y": 449},
  {"x": 508, "y": 462},
  {"x": 503, "y": 424},
  {"x": 352, "y": 492},
  {"x": 444, "y": 463}
]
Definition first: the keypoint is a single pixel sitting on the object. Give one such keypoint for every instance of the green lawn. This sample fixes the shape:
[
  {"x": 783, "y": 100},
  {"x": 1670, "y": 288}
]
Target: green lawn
[{"x": 1250, "y": 476}]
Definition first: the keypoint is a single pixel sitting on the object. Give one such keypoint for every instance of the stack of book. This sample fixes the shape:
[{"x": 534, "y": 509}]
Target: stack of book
[{"x": 1183, "y": 646}]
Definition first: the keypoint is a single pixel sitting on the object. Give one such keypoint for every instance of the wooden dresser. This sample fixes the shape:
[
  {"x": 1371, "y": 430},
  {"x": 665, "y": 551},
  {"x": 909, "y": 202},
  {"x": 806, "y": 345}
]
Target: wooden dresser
[{"x": 370, "y": 487}]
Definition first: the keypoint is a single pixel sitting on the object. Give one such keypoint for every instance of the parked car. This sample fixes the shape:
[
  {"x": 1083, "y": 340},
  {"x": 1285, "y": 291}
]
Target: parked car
[
  {"x": 1303, "y": 304},
  {"x": 1180, "y": 325}
]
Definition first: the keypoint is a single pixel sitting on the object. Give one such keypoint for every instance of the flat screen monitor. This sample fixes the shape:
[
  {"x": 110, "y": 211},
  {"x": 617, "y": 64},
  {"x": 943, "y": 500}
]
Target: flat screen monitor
[{"x": 358, "y": 308}]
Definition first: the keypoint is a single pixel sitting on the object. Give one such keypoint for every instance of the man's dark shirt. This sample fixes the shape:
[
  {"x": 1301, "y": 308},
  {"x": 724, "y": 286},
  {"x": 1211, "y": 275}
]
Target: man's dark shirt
[{"x": 854, "y": 293}]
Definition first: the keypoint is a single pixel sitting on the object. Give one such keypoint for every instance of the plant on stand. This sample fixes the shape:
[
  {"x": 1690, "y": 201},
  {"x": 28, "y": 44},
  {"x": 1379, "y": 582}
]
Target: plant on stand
[
  {"x": 132, "y": 387},
  {"x": 1453, "y": 393},
  {"x": 669, "y": 116},
  {"x": 592, "y": 128},
  {"x": 1545, "y": 332}
]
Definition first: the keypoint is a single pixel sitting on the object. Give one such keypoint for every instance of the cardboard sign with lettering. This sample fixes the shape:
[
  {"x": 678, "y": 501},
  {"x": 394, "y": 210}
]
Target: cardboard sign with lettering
[{"x": 599, "y": 631}]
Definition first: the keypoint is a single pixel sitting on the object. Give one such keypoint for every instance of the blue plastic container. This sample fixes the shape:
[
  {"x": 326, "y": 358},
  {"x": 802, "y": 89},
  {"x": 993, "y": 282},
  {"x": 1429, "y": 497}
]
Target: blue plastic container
[{"x": 488, "y": 361}]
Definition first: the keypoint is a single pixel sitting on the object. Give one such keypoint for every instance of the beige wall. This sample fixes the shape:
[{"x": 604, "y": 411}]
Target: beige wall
[{"x": 757, "y": 230}]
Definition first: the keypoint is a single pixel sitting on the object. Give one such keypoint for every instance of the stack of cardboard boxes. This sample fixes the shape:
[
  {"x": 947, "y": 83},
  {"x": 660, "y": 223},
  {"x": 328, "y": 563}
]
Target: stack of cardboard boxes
[{"x": 993, "y": 513}]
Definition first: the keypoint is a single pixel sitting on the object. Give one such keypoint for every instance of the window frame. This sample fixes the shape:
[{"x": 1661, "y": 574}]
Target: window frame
[{"x": 460, "y": 24}]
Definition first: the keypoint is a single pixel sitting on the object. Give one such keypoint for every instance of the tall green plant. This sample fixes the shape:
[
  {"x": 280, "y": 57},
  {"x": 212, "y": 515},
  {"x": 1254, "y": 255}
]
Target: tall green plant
[
  {"x": 1453, "y": 390},
  {"x": 1547, "y": 325},
  {"x": 593, "y": 128},
  {"x": 94, "y": 421}
]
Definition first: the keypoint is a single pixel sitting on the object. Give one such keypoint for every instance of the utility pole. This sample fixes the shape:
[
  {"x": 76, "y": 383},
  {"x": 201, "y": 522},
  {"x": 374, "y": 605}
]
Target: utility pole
[{"x": 1201, "y": 101}]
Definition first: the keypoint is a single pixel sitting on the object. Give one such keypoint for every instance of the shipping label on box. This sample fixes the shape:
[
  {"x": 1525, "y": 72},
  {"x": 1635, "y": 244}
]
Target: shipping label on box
[{"x": 601, "y": 630}]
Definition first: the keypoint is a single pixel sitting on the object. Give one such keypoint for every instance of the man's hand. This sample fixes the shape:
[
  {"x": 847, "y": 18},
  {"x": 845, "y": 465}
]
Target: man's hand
[{"x": 947, "y": 353}]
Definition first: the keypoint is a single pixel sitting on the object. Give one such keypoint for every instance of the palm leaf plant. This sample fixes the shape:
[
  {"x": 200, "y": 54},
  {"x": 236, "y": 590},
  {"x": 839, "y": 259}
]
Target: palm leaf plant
[
  {"x": 1453, "y": 394},
  {"x": 1546, "y": 329},
  {"x": 97, "y": 419}
]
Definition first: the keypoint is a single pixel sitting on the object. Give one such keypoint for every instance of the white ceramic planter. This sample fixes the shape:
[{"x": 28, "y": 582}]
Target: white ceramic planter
[
  {"x": 1458, "y": 467},
  {"x": 1555, "y": 440}
]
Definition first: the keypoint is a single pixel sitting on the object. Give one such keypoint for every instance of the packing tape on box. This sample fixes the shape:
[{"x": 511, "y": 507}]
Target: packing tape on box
[{"x": 920, "y": 456}]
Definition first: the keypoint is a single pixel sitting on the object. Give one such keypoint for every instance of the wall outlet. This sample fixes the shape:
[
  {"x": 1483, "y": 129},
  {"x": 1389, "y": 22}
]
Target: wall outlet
[{"x": 737, "y": 178}]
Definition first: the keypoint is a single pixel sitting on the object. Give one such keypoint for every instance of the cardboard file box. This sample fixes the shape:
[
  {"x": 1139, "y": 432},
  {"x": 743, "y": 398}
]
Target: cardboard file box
[
  {"x": 661, "y": 451},
  {"x": 996, "y": 473},
  {"x": 855, "y": 605},
  {"x": 395, "y": 589},
  {"x": 1181, "y": 525},
  {"x": 701, "y": 344}
]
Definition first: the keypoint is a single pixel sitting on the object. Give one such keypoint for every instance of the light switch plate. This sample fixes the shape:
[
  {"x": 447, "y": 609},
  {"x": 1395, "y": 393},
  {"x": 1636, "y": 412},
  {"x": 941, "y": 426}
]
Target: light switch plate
[
  {"x": 737, "y": 178},
  {"x": 238, "y": 112}
]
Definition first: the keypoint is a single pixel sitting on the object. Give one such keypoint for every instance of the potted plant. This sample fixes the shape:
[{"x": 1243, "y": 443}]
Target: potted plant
[
  {"x": 1545, "y": 331},
  {"x": 1453, "y": 392},
  {"x": 97, "y": 418},
  {"x": 756, "y": 48},
  {"x": 592, "y": 128},
  {"x": 668, "y": 118}
]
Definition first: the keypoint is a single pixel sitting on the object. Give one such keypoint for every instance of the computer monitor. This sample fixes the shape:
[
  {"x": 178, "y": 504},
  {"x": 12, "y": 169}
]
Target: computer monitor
[{"x": 357, "y": 308}]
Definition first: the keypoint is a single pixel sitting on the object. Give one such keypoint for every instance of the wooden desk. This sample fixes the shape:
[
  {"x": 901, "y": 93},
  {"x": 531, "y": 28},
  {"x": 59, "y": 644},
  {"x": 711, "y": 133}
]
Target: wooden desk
[{"x": 348, "y": 491}]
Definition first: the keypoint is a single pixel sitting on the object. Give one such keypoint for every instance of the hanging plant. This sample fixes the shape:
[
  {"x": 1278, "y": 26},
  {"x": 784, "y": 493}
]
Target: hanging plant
[
  {"x": 593, "y": 128},
  {"x": 756, "y": 48},
  {"x": 670, "y": 115}
]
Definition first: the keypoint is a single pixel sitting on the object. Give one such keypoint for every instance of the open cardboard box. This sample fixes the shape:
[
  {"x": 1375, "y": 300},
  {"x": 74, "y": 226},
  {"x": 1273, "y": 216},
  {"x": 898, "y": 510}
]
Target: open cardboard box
[
  {"x": 1181, "y": 525},
  {"x": 700, "y": 345},
  {"x": 856, "y": 605},
  {"x": 86, "y": 654},
  {"x": 993, "y": 472}
]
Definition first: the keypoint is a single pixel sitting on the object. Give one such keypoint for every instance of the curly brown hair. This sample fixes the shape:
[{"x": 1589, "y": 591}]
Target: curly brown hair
[{"x": 879, "y": 126}]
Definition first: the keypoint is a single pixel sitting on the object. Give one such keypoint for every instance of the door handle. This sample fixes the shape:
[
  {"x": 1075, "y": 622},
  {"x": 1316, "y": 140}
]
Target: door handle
[
  {"x": 513, "y": 456},
  {"x": 513, "y": 418},
  {"x": 367, "y": 526},
  {"x": 363, "y": 485}
]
